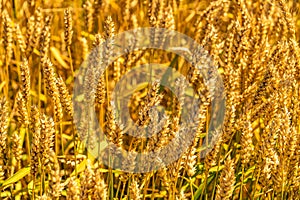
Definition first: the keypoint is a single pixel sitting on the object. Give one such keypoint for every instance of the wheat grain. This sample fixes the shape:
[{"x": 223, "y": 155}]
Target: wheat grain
[
  {"x": 100, "y": 188},
  {"x": 46, "y": 138},
  {"x": 52, "y": 89},
  {"x": 36, "y": 134},
  {"x": 227, "y": 180},
  {"x": 55, "y": 183},
  {"x": 73, "y": 191},
  {"x": 20, "y": 38},
  {"x": 65, "y": 97},
  {"x": 89, "y": 9},
  {"x": 7, "y": 35},
  {"x": 68, "y": 27}
]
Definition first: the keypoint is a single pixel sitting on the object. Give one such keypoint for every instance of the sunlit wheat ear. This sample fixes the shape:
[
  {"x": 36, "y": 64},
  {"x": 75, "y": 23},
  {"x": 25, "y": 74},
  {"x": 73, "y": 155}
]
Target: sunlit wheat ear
[
  {"x": 45, "y": 38},
  {"x": 100, "y": 91},
  {"x": 286, "y": 148},
  {"x": 261, "y": 92},
  {"x": 68, "y": 27},
  {"x": 38, "y": 16},
  {"x": 65, "y": 97},
  {"x": 134, "y": 189},
  {"x": 246, "y": 144},
  {"x": 108, "y": 36},
  {"x": 156, "y": 19},
  {"x": 134, "y": 21},
  {"x": 55, "y": 184},
  {"x": 158, "y": 38},
  {"x": 295, "y": 178},
  {"x": 96, "y": 79},
  {"x": 227, "y": 181},
  {"x": 22, "y": 109},
  {"x": 190, "y": 161},
  {"x": 266, "y": 157},
  {"x": 29, "y": 32},
  {"x": 25, "y": 78},
  {"x": 89, "y": 12},
  {"x": 205, "y": 15},
  {"x": 7, "y": 35},
  {"x": 90, "y": 82},
  {"x": 152, "y": 12},
  {"x": 212, "y": 157},
  {"x": 160, "y": 12},
  {"x": 162, "y": 134},
  {"x": 52, "y": 89},
  {"x": 179, "y": 97},
  {"x": 173, "y": 171},
  {"x": 153, "y": 98},
  {"x": 46, "y": 137},
  {"x": 100, "y": 190},
  {"x": 289, "y": 24},
  {"x": 170, "y": 21},
  {"x": 73, "y": 189},
  {"x": 132, "y": 58},
  {"x": 296, "y": 51},
  {"x": 20, "y": 39},
  {"x": 2, "y": 171},
  {"x": 113, "y": 131},
  {"x": 35, "y": 130},
  {"x": 98, "y": 40},
  {"x": 4, "y": 120},
  {"x": 16, "y": 149},
  {"x": 38, "y": 25},
  {"x": 86, "y": 180},
  {"x": 163, "y": 177},
  {"x": 269, "y": 171},
  {"x": 295, "y": 168}
]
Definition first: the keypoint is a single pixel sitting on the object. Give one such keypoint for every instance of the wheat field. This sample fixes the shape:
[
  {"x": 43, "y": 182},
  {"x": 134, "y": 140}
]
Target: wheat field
[{"x": 45, "y": 154}]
